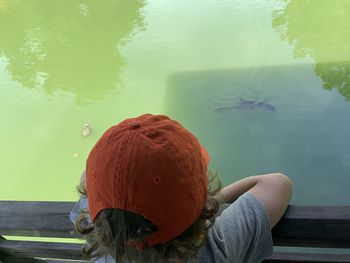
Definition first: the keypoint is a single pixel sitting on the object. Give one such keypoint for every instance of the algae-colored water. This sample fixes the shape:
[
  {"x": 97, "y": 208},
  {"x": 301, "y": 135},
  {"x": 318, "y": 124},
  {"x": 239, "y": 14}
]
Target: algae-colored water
[{"x": 73, "y": 62}]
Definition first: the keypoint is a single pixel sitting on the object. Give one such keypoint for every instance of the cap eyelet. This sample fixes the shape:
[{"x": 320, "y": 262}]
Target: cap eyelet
[
  {"x": 157, "y": 179},
  {"x": 93, "y": 174}
]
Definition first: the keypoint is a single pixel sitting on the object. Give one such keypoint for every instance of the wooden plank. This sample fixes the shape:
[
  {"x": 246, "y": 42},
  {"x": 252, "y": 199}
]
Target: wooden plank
[
  {"x": 307, "y": 258},
  {"x": 7, "y": 256},
  {"x": 38, "y": 219},
  {"x": 314, "y": 226},
  {"x": 59, "y": 261},
  {"x": 10, "y": 259},
  {"x": 42, "y": 249}
]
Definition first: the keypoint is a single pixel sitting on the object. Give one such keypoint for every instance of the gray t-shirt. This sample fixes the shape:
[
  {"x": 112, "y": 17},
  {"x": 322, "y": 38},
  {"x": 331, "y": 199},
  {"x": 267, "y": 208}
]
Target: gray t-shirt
[{"x": 241, "y": 233}]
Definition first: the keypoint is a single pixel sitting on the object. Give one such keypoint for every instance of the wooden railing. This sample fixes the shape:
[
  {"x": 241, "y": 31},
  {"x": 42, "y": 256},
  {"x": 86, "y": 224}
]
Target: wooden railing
[
  {"x": 313, "y": 227},
  {"x": 301, "y": 226}
]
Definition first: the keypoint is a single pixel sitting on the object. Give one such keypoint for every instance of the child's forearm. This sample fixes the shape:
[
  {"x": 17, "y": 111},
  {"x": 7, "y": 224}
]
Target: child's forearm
[{"x": 231, "y": 192}]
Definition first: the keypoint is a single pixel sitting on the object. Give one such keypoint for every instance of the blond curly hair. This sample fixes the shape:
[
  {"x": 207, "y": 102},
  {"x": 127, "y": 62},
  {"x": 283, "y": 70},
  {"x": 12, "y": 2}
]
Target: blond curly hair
[{"x": 113, "y": 230}]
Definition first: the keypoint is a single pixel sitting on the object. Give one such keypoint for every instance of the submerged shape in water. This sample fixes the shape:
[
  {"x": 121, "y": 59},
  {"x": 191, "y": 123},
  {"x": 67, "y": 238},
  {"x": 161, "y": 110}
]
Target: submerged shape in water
[{"x": 248, "y": 105}]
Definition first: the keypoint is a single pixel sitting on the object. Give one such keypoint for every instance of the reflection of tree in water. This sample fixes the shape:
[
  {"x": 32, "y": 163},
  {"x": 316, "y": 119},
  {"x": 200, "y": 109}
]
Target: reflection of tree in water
[
  {"x": 68, "y": 45},
  {"x": 335, "y": 75},
  {"x": 320, "y": 29}
]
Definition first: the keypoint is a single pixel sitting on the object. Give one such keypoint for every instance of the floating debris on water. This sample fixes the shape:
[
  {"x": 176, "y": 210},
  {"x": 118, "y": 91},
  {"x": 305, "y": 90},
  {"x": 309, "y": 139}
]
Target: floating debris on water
[{"x": 86, "y": 130}]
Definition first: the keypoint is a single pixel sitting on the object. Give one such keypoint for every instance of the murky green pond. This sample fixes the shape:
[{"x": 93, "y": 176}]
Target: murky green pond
[{"x": 265, "y": 86}]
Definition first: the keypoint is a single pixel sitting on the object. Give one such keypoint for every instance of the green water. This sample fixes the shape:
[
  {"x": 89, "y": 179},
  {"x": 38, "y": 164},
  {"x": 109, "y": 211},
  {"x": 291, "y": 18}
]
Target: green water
[{"x": 67, "y": 63}]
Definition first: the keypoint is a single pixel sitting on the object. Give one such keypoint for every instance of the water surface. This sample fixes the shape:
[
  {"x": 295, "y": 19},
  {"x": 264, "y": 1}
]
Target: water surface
[{"x": 64, "y": 65}]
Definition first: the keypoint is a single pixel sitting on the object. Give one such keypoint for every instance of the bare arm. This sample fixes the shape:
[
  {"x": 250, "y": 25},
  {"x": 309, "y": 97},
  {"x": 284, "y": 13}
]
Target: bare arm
[{"x": 272, "y": 190}]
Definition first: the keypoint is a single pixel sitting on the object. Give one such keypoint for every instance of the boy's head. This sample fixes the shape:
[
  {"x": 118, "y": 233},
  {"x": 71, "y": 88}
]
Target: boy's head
[{"x": 152, "y": 166}]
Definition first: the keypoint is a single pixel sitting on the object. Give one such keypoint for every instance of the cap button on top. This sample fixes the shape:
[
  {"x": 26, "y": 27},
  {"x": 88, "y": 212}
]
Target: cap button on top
[{"x": 135, "y": 126}]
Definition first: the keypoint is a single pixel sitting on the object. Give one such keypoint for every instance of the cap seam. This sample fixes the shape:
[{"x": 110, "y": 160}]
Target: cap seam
[
  {"x": 121, "y": 170},
  {"x": 164, "y": 150}
]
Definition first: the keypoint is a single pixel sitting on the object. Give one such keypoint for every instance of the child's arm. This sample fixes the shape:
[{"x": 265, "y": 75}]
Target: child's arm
[{"x": 272, "y": 190}]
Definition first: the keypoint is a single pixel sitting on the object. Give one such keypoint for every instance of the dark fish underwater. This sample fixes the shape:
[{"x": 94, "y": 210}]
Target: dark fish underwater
[{"x": 248, "y": 105}]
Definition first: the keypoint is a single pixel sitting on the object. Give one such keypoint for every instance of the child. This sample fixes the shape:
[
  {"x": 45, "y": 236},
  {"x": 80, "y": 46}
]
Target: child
[{"x": 148, "y": 197}]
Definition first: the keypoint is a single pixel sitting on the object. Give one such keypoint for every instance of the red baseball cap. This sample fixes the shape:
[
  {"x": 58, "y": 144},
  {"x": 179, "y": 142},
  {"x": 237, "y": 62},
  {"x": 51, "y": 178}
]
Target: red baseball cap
[{"x": 152, "y": 166}]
